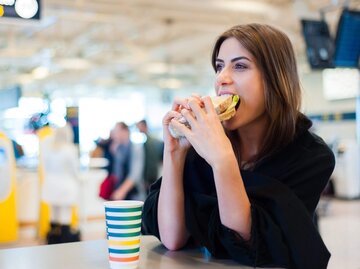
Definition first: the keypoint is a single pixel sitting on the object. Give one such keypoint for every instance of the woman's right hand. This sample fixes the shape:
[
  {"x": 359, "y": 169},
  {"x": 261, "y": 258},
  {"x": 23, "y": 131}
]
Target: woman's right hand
[
  {"x": 172, "y": 144},
  {"x": 171, "y": 212}
]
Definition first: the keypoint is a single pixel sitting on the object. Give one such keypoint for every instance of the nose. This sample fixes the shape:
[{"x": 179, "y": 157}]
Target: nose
[{"x": 224, "y": 77}]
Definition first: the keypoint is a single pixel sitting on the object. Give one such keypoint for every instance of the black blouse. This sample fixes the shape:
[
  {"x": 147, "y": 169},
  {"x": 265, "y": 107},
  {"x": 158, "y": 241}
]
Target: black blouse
[{"x": 284, "y": 190}]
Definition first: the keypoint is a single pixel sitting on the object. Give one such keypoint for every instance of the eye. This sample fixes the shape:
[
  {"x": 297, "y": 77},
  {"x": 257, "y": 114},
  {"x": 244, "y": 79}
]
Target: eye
[
  {"x": 219, "y": 67},
  {"x": 240, "y": 66}
]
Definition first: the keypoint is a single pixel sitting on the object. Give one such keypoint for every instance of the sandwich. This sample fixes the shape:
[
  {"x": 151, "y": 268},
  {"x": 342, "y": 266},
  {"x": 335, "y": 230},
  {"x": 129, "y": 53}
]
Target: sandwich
[{"x": 225, "y": 107}]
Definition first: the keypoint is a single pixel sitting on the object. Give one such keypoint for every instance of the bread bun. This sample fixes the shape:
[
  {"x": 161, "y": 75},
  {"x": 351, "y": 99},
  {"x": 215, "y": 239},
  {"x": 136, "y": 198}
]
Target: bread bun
[{"x": 225, "y": 107}]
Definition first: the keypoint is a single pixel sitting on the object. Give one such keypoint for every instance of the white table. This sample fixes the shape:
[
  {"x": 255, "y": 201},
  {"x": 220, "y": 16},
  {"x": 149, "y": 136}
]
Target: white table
[{"x": 93, "y": 254}]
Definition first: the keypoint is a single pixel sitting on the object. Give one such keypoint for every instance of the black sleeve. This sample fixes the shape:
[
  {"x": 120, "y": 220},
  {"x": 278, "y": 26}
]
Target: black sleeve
[
  {"x": 150, "y": 209},
  {"x": 282, "y": 234},
  {"x": 308, "y": 178}
]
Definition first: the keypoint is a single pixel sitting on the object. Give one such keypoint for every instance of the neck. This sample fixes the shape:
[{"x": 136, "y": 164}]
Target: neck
[{"x": 251, "y": 138}]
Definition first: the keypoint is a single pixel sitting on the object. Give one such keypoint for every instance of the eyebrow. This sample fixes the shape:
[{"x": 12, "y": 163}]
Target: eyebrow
[{"x": 234, "y": 59}]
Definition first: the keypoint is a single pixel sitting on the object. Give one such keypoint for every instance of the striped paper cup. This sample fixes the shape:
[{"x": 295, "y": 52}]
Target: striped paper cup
[{"x": 123, "y": 226}]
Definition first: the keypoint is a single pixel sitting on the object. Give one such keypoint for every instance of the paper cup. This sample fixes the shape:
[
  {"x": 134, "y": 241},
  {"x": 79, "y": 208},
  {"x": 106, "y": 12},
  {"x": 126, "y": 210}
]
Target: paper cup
[{"x": 123, "y": 226}]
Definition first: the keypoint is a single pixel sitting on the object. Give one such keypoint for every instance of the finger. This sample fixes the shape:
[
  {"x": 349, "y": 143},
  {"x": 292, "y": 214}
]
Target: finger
[
  {"x": 179, "y": 103},
  {"x": 189, "y": 116},
  {"x": 181, "y": 127},
  {"x": 171, "y": 115},
  {"x": 196, "y": 109},
  {"x": 209, "y": 106},
  {"x": 197, "y": 97}
]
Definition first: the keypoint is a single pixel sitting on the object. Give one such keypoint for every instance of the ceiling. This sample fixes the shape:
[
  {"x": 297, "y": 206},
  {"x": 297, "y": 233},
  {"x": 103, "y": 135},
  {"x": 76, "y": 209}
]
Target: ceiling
[{"x": 91, "y": 47}]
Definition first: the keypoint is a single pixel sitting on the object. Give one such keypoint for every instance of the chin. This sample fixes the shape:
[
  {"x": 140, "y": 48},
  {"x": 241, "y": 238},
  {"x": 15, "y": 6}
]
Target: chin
[{"x": 230, "y": 125}]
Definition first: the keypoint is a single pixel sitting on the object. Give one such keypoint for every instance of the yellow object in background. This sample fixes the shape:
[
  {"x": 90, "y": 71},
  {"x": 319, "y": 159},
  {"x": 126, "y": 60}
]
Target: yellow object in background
[
  {"x": 8, "y": 214},
  {"x": 44, "y": 212}
]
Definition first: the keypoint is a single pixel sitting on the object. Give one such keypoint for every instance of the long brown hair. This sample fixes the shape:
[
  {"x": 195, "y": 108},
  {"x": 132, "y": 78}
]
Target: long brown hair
[{"x": 275, "y": 58}]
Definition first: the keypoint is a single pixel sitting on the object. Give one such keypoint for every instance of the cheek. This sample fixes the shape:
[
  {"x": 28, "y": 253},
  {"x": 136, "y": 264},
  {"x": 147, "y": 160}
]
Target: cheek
[
  {"x": 259, "y": 104},
  {"x": 216, "y": 87},
  {"x": 252, "y": 100}
]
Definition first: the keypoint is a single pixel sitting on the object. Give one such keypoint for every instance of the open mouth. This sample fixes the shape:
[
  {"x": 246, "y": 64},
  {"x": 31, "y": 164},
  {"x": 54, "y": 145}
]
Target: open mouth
[{"x": 237, "y": 105}]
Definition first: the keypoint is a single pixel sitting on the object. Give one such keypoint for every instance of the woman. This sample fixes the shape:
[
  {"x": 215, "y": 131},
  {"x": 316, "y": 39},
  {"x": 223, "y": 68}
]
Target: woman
[{"x": 248, "y": 188}]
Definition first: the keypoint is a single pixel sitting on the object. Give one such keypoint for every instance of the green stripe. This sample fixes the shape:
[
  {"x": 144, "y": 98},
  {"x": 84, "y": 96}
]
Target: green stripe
[
  {"x": 131, "y": 209},
  {"x": 123, "y": 218},
  {"x": 124, "y": 251},
  {"x": 124, "y": 234},
  {"x": 129, "y": 226}
]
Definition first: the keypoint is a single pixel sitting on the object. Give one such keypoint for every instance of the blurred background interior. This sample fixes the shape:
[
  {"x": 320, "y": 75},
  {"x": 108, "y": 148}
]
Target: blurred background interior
[{"x": 94, "y": 63}]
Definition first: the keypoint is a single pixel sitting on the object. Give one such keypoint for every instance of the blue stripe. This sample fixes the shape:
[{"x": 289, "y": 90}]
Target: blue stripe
[{"x": 333, "y": 116}]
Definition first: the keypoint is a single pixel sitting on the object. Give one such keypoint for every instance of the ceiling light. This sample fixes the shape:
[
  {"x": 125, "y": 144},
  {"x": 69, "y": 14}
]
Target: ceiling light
[
  {"x": 40, "y": 72},
  {"x": 74, "y": 63},
  {"x": 157, "y": 68},
  {"x": 246, "y": 6}
]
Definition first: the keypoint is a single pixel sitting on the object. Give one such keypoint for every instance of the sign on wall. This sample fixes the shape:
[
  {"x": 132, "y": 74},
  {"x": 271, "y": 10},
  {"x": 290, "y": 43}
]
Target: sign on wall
[
  {"x": 21, "y": 9},
  {"x": 341, "y": 83}
]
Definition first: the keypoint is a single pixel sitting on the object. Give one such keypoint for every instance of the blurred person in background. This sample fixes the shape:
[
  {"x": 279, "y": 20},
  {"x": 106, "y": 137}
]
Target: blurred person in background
[
  {"x": 102, "y": 150},
  {"x": 153, "y": 149},
  {"x": 61, "y": 184},
  {"x": 128, "y": 165}
]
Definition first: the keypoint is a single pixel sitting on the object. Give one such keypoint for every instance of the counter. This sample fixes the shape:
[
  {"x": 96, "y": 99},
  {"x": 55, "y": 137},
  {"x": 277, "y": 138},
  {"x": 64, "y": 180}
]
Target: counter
[{"x": 93, "y": 255}]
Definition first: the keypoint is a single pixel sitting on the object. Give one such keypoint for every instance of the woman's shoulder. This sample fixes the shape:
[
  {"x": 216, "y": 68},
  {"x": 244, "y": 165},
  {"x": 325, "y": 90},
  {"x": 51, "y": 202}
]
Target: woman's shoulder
[
  {"x": 307, "y": 151},
  {"x": 307, "y": 141},
  {"x": 313, "y": 145}
]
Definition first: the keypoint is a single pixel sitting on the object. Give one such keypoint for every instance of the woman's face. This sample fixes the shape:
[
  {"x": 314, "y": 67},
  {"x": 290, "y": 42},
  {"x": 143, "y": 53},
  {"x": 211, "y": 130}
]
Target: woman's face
[{"x": 237, "y": 73}]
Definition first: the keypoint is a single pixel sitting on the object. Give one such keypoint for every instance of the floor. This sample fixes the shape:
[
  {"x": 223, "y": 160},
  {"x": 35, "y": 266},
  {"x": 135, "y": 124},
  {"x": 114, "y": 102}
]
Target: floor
[
  {"x": 340, "y": 230},
  {"x": 339, "y": 226}
]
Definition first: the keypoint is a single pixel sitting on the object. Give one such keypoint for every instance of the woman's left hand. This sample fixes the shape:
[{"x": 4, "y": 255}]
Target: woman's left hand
[{"x": 206, "y": 135}]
